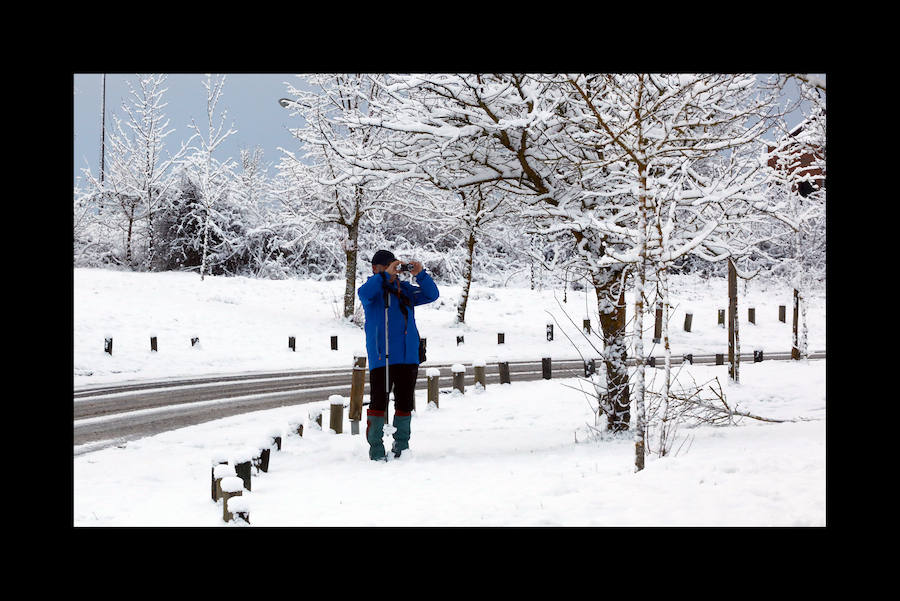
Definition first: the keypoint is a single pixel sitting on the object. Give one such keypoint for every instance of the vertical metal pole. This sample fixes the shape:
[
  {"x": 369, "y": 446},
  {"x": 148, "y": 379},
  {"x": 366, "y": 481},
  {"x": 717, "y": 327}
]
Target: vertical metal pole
[{"x": 103, "y": 129}]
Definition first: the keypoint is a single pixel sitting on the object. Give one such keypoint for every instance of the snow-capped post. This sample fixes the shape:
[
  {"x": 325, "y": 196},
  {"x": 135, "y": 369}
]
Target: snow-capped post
[
  {"x": 292, "y": 343},
  {"x": 334, "y": 343},
  {"x": 460, "y": 340},
  {"x": 216, "y": 461},
  {"x": 478, "y": 367},
  {"x": 721, "y": 321},
  {"x": 336, "y": 419},
  {"x": 275, "y": 437},
  {"x": 504, "y": 372},
  {"x": 657, "y": 327},
  {"x": 651, "y": 361},
  {"x": 586, "y": 326},
  {"x": 153, "y": 344},
  {"x": 239, "y": 507},
  {"x": 262, "y": 458},
  {"x": 549, "y": 332},
  {"x": 501, "y": 338},
  {"x": 195, "y": 341},
  {"x": 357, "y": 388},
  {"x": 107, "y": 345},
  {"x": 546, "y": 368},
  {"x": 222, "y": 470},
  {"x": 231, "y": 487},
  {"x": 459, "y": 375},
  {"x": 688, "y": 318},
  {"x": 242, "y": 462},
  {"x": 781, "y": 313},
  {"x": 590, "y": 368},
  {"x": 751, "y": 315},
  {"x": 688, "y": 357},
  {"x": 433, "y": 375}
]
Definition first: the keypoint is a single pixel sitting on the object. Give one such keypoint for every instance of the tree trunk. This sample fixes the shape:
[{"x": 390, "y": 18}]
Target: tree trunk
[
  {"x": 351, "y": 252},
  {"x": 467, "y": 278},
  {"x": 639, "y": 431},
  {"x": 205, "y": 240},
  {"x": 609, "y": 287}
]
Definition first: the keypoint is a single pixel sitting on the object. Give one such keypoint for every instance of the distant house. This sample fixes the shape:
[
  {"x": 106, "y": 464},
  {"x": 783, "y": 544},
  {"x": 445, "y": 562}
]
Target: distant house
[{"x": 806, "y": 154}]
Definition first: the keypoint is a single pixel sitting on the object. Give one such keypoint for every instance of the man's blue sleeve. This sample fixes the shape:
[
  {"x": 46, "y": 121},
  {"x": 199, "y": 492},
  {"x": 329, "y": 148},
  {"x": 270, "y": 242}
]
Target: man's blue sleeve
[
  {"x": 371, "y": 289},
  {"x": 427, "y": 292}
]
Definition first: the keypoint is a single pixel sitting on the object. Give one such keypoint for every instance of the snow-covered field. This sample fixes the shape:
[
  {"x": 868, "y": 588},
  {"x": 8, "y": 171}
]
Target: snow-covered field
[{"x": 511, "y": 455}]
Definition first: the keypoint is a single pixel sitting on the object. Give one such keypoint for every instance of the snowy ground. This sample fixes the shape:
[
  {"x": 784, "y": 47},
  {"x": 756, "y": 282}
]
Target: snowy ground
[
  {"x": 511, "y": 455},
  {"x": 243, "y": 324}
]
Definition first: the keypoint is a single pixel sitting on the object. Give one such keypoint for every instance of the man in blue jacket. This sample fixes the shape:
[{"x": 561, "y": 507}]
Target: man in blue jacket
[{"x": 398, "y": 352}]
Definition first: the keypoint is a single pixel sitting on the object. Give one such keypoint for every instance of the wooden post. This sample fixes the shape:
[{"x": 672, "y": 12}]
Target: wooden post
[
  {"x": 689, "y": 358},
  {"x": 781, "y": 313},
  {"x": 795, "y": 345},
  {"x": 107, "y": 345},
  {"x": 546, "y": 368},
  {"x": 586, "y": 326},
  {"x": 757, "y": 356},
  {"x": 501, "y": 338},
  {"x": 504, "y": 372},
  {"x": 299, "y": 430},
  {"x": 720, "y": 359},
  {"x": 651, "y": 361},
  {"x": 231, "y": 487},
  {"x": 478, "y": 368},
  {"x": 433, "y": 375},
  {"x": 357, "y": 388},
  {"x": 459, "y": 375},
  {"x": 262, "y": 461},
  {"x": 153, "y": 344},
  {"x": 751, "y": 315},
  {"x": 688, "y": 318},
  {"x": 334, "y": 343},
  {"x": 460, "y": 340},
  {"x": 239, "y": 507},
  {"x": 292, "y": 343},
  {"x": 195, "y": 341},
  {"x": 657, "y": 327},
  {"x": 549, "y": 332},
  {"x": 336, "y": 421},
  {"x": 590, "y": 368},
  {"x": 219, "y": 461},
  {"x": 242, "y": 469},
  {"x": 721, "y": 321},
  {"x": 276, "y": 440}
]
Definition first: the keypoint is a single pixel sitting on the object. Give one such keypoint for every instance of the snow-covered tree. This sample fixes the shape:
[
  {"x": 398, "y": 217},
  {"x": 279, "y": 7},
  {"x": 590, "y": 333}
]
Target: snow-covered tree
[
  {"x": 214, "y": 176},
  {"x": 138, "y": 167},
  {"x": 326, "y": 188}
]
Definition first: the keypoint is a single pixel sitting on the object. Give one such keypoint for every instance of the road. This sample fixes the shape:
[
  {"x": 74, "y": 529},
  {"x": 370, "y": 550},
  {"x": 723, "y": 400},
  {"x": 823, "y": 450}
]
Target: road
[{"x": 110, "y": 415}]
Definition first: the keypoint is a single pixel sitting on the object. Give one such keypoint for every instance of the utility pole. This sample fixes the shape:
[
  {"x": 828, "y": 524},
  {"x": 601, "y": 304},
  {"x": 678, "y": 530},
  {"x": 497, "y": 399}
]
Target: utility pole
[{"x": 102, "y": 137}]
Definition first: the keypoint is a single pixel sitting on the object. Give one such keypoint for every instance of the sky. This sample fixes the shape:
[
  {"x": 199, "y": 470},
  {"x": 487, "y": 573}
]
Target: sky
[{"x": 251, "y": 101}]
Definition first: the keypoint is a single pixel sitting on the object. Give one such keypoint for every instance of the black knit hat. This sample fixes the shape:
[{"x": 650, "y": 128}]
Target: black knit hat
[{"x": 383, "y": 257}]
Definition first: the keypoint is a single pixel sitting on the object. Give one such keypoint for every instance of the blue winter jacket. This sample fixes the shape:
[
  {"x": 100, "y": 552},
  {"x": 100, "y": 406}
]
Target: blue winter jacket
[{"x": 403, "y": 336}]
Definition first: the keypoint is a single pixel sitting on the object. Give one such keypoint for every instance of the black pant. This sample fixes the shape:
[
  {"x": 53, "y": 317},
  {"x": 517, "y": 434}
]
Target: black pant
[{"x": 402, "y": 381}]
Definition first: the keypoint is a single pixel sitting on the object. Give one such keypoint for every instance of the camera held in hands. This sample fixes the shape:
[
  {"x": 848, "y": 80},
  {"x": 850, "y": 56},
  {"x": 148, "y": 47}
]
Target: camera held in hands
[{"x": 405, "y": 267}]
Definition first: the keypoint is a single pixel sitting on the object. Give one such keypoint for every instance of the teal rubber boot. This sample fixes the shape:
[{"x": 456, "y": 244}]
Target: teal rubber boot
[
  {"x": 401, "y": 433},
  {"x": 375, "y": 435}
]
